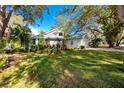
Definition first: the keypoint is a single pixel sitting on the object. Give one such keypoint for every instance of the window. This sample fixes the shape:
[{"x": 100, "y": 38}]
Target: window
[{"x": 60, "y": 34}]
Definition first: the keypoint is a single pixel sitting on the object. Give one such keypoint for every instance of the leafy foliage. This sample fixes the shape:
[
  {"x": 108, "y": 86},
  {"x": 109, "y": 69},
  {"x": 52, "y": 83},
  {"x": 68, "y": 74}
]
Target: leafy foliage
[
  {"x": 2, "y": 43},
  {"x": 82, "y": 47},
  {"x": 113, "y": 30},
  {"x": 41, "y": 40},
  {"x": 21, "y": 34},
  {"x": 30, "y": 14},
  {"x": 34, "y": 48},
  {"x": 3, "y": 62},
  {"x": 95, "y": 42},
  {"x": 101, "y": 19}
]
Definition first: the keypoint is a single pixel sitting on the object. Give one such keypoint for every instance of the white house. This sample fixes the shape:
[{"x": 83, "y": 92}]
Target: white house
[
  {"x": 56, "y": 36},
  {"x": 77, "y": 42},
  {"x": 53, "y": 37}
]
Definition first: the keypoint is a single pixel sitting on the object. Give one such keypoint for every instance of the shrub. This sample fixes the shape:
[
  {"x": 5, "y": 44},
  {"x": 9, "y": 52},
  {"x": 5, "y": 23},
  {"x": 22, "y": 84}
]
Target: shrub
[
  {"x": 65, "y": 47},
  {"x": 22, "y": 49},
  {"x": 82, "y": 47},
  {"x": 95, "y": 42},
  {"x": 34, "y": 48},
  {"x": 41, "y": 47},
  {"x": 2, "y": 43}
]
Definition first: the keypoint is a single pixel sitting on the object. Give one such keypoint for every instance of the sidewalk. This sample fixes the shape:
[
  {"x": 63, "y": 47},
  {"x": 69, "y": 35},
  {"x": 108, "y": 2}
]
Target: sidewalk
[{"x": 106, "y": 49}]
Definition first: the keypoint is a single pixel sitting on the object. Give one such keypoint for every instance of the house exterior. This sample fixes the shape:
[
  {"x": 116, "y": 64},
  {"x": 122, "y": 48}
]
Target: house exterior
[
  {"x": 55, "y": 37},
  {"x": 35, "y": 39},
  {"x": 77, "y": 42}
]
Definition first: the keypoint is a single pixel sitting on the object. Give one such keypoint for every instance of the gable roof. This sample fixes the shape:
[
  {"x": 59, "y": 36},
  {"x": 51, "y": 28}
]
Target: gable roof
[
  {"x": 53, "y": 34},
  {"x": 52, "y": 31}
]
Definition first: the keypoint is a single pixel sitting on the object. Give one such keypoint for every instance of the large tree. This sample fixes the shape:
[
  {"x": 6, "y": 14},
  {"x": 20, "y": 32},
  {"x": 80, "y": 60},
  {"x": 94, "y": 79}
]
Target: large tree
[
  {"x": 30, "y": 13},
  {"x": 63, "y": 23},
  {"x": 101, "y": 19},
  {"x": 121, "y": 12},
  {"x": 80, "y": 20},
  {"x": 111, "y": 26}
]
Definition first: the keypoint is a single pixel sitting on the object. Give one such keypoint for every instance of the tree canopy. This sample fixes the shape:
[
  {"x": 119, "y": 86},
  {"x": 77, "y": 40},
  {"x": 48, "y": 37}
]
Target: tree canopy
[
  {"x": 29, "y": 13},
  {"x": 96, "y": 19}
]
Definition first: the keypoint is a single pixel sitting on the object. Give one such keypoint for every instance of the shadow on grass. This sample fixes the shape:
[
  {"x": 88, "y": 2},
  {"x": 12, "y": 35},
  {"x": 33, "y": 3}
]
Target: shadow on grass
[{"x": 71, "y": 69}]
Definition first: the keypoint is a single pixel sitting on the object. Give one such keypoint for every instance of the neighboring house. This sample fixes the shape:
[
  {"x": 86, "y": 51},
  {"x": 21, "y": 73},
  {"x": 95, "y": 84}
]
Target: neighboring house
[{"x": 56, "y": 36}]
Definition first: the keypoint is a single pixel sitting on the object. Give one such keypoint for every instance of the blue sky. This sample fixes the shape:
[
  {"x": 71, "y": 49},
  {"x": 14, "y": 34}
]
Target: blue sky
[{"x": 48, "y": 19}]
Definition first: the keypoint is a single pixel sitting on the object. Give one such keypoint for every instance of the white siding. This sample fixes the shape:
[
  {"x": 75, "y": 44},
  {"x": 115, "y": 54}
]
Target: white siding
[
  {"x": 76, "y": 43},
  {"x": 52, "y": 37},
  {"x": 53, "y": 34},
  {"x": 53, "y": 42}
]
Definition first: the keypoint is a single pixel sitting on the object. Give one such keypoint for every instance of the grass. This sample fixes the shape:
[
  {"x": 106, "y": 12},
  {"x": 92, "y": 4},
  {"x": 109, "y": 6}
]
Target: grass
[
  {"x": 72, "y": 68},
  {"x": 3, "y": 61}
]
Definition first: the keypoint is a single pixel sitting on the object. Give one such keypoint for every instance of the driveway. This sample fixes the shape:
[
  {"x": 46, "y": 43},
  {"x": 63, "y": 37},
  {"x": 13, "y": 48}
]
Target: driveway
[{"x": 106, "y": 49}]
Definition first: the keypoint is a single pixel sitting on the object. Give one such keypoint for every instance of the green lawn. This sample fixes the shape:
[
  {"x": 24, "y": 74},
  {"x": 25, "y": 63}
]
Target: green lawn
[{"x": 67, "y": 69}]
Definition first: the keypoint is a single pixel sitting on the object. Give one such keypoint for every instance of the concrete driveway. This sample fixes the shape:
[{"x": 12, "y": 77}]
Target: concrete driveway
[{"x": 106, "y": 49}]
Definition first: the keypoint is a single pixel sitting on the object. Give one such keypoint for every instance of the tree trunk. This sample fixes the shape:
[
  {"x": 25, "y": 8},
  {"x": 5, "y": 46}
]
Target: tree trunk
[
  {"x": 121, "y": 12},
  {"x": 2, "y": 17},
  {"x": 64, "y": 45},
  {"x": 110, "y": 43},
  {"x": 5, "y": 19},
  {"x": 119, "y": 41},
  {"x": 117, "y": 44}
]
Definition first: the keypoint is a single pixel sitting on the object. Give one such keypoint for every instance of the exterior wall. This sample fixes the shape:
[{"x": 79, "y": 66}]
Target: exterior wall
[
  {"x": 36, "y": 42},
  {"x": 53, "y": 42},
  {"x": 54, "y": 34},
  {"x": 76, "y": 43},
  {"x": 72, "y": 43}
]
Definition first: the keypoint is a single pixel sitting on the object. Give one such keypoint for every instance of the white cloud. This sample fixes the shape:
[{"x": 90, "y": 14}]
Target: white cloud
[{"x": 34, "y": 31}]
